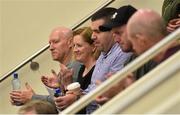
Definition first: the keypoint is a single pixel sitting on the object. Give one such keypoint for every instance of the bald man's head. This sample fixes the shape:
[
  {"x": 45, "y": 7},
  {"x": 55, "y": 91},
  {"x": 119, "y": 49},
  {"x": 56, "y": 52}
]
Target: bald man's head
[
  {"x": 148, "y": 22},
  {"x": 145, "y": 27},
  {"x": 60, "y": 41},
  {"x": 66, "y": 32}
]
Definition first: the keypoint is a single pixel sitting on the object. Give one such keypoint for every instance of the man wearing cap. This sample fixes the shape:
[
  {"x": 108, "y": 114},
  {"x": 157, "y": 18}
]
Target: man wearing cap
[
  {"x": 112, "y": 58},
  {"x": 118, "y": 27}
]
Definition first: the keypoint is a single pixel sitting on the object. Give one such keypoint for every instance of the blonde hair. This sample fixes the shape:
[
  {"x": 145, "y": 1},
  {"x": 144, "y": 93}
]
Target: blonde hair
[{"x": 86, "y": 34}]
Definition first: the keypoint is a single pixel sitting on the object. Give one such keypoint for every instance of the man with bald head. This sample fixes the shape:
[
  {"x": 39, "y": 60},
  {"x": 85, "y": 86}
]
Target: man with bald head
[
  {"x": 145, "y": 29},
  {"x": 60, "y": 41},
  {"x": 61, "y": 45},
  {"x": 60, "y": 38}
]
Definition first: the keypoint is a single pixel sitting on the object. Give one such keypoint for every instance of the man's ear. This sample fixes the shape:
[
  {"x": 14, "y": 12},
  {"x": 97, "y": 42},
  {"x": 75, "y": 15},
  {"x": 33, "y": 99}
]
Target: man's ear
[
  {"x": 140, "y": 38},
  {"x": 70, "y": 42}
]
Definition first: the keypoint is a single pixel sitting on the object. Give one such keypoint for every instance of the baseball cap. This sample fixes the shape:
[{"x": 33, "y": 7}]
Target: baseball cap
[{"x": 119, "y": 18}]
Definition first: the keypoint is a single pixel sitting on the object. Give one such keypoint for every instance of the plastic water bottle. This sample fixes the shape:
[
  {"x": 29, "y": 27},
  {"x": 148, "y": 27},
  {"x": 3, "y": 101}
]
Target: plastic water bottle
[
  {"x": 16, "y": 85},
  {"x": 58, "y": 93}
]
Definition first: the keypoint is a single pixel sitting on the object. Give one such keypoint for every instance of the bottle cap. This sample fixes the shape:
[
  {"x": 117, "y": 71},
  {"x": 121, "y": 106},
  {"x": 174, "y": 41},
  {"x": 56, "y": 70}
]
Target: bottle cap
[
  {"x": 58, "y": 90},
  {"x": 15, "y": 75}
]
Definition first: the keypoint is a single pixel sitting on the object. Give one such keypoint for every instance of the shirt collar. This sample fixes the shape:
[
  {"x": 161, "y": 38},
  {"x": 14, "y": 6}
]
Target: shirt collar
[{"x": 105, "y": 55}]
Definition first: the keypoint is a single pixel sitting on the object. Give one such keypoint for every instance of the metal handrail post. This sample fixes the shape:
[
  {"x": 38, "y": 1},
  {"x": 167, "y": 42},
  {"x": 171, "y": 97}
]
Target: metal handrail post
[{"x": 142, "y": 86}]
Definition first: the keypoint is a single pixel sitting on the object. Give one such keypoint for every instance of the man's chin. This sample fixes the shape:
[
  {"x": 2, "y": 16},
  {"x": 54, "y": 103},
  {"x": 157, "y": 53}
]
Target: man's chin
[
  {"x": 99, "y": 48},
  {"x": 97, "y": 45},
  {"x": 55, "y": 59},
  {"x": 126, "y": 50}
]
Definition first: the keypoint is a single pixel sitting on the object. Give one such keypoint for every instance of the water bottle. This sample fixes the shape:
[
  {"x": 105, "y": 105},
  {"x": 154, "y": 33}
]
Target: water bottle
[
  {"x": 58, "y": 93},
  {"x": 16, "y": 85}
]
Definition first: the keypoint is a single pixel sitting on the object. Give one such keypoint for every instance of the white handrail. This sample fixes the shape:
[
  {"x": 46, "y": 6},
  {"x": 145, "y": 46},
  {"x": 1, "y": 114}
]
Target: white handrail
[
  {"x": 171, "y": 102},
  {"x": 149, "y": 81},
  {"x": 75, "y": 107},
  {"x": 83, "y": 20}
]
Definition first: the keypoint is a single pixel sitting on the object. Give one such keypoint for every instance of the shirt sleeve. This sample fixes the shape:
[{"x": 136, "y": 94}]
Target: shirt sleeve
[
  {"x": 43, "y": 97},
  {"x": 119, "y": 62}
]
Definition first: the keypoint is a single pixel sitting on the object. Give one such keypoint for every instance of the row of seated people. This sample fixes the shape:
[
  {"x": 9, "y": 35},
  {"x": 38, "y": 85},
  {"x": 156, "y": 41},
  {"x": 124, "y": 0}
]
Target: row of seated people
[{"x": 90, "y": 55}]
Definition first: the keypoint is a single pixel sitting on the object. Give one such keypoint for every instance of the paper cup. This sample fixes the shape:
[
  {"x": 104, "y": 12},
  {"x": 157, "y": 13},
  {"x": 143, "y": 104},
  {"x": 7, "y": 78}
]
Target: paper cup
[{"x": 74, "y": 88}]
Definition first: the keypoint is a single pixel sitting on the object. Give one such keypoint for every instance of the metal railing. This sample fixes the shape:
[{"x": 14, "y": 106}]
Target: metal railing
[
  {"x": 129, "y": 97},
  {"x": 75, "y": 107},
  {"x": 75, "y": 26}
]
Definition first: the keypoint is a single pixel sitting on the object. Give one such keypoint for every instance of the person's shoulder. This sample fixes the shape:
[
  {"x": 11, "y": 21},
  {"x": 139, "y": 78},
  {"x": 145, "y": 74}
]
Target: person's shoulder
[
  {"x": 121, "y": 54},
  {"x": 74, "y": 64},
  {"x": 151, "y": 64},
  {"x": 130, "y": 59},
  {"x": 116, "y": 49}
]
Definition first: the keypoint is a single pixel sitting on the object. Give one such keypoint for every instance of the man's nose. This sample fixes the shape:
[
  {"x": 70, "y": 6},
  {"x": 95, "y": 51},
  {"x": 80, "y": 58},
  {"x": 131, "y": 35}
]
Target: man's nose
[
  {"x": 93, "y": 37},
  {"x": 116, "y": 38},
  {"x": 51, "y": 47}
]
